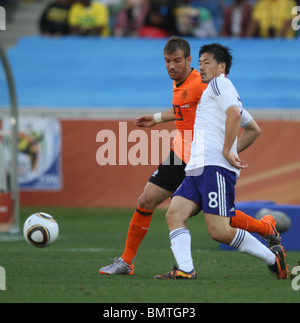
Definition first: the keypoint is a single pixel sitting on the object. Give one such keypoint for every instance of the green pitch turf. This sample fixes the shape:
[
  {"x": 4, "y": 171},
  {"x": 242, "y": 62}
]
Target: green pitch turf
[{"x": 67, "y": 271}]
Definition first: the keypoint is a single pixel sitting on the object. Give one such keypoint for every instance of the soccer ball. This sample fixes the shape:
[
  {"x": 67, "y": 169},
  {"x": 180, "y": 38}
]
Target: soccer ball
[
  {"x": 283, "y": 222},
  {"x": 40, "y": 230}
]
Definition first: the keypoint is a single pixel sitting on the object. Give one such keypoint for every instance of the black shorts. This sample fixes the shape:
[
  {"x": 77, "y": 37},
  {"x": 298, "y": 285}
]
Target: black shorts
[{"x": 170, "y": 173}]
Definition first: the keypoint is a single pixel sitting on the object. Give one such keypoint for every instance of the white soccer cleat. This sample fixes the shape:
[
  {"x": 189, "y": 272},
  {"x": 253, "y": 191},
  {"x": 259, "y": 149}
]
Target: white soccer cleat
[{"x": 118, "y": 267}]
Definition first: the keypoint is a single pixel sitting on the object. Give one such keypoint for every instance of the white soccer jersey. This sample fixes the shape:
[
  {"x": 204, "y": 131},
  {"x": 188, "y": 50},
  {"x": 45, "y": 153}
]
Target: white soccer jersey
[{"x": 209, "y": 128}]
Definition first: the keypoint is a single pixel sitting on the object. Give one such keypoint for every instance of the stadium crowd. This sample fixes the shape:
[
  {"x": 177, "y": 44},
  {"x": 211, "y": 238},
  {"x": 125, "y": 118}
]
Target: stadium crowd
[{"x": 163, "y": 18}]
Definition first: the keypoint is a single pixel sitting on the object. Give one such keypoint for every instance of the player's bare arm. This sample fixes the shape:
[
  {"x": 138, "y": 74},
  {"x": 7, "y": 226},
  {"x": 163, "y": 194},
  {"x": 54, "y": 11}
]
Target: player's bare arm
[
  {"x": 151, "y": 120},
  {"x": 231, "y": 132},
  {"x": 249, "y": 135}
]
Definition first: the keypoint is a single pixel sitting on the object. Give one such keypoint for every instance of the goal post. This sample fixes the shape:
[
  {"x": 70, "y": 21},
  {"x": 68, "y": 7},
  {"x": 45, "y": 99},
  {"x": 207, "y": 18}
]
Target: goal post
[{"x": 13, "y": 189}]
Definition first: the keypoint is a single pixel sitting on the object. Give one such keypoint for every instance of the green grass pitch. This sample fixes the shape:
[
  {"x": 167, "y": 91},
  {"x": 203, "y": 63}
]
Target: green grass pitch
[{"x": 67, "y": 271}]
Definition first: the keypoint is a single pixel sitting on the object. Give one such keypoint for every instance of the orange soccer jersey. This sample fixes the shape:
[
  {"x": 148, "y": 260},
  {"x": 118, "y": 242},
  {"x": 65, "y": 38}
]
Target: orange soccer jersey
[{"x": 185, "y": 100}]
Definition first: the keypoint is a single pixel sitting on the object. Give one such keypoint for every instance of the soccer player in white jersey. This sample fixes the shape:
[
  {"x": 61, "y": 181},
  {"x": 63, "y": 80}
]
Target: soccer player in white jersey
[{"x": 212, "y": 172}]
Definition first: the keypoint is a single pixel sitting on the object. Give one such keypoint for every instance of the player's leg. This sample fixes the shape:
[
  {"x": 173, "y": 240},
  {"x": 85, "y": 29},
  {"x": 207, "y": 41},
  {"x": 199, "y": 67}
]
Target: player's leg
[
  {"x": 179, "y": 211},
  {"x": 220, "y": 230},
  {"x": 152, "y": 196},
  {"x": 266, "y": 227},
  {"x": 150, "y": 199},
  {"x": 218, "y": 206},
  {"x": 186, "y": 202}
]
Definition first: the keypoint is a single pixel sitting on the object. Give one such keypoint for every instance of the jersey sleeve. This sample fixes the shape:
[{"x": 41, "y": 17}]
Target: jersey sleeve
[
  {"x": 246, "y": 118},
  {"x": 224, "y": 93}
]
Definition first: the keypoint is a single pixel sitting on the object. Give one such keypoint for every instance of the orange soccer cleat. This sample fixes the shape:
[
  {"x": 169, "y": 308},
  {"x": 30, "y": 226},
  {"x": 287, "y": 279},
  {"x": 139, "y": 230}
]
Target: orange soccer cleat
[{"x": 273, "y": 236}]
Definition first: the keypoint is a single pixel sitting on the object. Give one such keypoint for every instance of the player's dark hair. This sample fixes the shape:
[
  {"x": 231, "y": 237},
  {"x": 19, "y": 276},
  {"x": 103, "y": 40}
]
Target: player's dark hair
[
  {"x": 220, "y": 53},
  {"x": 177, "y": 43}
]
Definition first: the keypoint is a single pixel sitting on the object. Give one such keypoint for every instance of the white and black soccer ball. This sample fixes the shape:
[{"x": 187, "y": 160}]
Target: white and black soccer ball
[
  {"x": 283, "y": 222},
  {"x": 40, "y": 230}
]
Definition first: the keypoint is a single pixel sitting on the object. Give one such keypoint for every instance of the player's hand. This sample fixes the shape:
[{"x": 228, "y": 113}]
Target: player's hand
[
  {"x": 145, "y": 121},
  {"x": 235, "y": 161}
]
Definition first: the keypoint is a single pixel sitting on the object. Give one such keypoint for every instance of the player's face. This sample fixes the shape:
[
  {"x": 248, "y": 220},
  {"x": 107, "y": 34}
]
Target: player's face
[
  {"x": 178, "y": 66},
  {"x": 209, "y": 67}
]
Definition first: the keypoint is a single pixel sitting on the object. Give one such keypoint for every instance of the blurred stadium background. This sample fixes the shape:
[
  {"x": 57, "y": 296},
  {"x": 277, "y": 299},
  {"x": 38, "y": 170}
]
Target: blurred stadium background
[{"x": 70, "y": 88}]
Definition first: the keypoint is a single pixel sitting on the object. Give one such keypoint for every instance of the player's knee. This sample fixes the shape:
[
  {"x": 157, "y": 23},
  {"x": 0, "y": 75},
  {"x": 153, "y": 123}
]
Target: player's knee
[{"x": 146, "y": 202}]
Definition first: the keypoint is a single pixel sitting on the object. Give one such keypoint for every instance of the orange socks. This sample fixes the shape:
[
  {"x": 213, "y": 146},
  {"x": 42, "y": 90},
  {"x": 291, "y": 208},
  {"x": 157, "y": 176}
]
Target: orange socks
[
  {"x": 248, "y": 223},
  {"x": 138, "y": 228}
]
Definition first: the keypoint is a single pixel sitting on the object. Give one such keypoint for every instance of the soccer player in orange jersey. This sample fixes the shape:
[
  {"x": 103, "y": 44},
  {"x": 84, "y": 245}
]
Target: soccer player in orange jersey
[{"x": 187, "y": 91}]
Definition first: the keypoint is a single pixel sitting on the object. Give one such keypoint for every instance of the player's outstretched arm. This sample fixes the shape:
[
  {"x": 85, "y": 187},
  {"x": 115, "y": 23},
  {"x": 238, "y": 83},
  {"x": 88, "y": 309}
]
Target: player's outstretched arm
[{"x": 150, "y": 120}]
